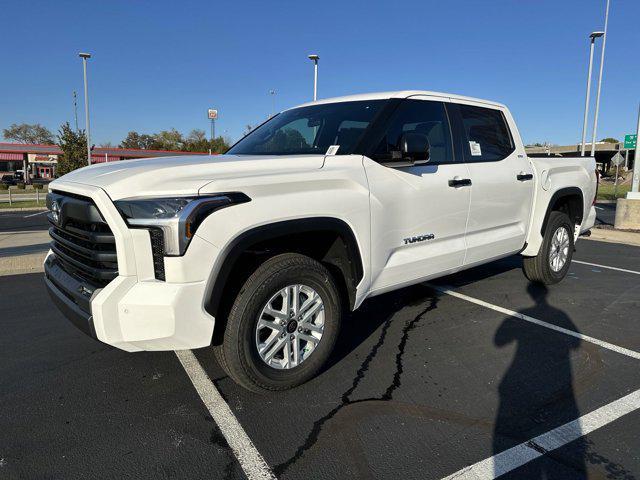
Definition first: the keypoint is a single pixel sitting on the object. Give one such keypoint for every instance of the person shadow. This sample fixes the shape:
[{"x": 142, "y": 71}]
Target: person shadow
[{"x": 536, "y": 393}]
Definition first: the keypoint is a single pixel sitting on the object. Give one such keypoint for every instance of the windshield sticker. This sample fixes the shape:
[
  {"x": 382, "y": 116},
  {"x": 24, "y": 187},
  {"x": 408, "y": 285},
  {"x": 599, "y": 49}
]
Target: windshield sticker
[
  {"x": 332, "y": 150},
  {"x": 476, "y": 151}
]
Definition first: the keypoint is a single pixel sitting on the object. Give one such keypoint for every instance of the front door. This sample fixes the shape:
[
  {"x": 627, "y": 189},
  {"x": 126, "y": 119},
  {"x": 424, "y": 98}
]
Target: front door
[
  {"x": 502, "y": 181},
  {"x": 418, "y": 212}
]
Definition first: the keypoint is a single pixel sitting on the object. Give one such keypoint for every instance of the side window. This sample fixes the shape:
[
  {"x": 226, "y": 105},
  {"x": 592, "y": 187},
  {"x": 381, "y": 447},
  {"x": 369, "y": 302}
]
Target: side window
[
  {"x": 418, "y": 116},
  {"x": 487, "y": 133}
]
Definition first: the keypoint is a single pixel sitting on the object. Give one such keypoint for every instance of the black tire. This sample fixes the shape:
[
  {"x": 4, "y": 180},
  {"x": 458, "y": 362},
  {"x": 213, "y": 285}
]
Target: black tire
[
  {"x": 238, "y": 354},
  {"x": 538, "y": 269}
]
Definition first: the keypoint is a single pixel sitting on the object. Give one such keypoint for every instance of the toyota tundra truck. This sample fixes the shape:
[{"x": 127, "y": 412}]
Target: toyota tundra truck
[{"x": 259, "y": 253}]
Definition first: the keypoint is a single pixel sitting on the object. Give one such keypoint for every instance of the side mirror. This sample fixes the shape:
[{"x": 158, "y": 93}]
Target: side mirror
[{"x": 415, "y": 147}]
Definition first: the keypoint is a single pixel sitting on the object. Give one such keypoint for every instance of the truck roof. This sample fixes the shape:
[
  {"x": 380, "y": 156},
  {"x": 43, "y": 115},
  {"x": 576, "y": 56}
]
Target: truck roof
[{"x": 398, "y": 94}]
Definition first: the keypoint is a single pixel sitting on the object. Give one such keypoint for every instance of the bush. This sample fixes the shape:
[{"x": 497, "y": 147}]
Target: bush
[
  {"x": 37, "y": 186},
  {"x": 4, "y": 186},
  {"x": 20, "y": 186}
]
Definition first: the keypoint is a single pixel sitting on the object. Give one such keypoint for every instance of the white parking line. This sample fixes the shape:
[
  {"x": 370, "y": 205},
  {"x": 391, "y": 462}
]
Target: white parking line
[
  {"x": 254, "y": 466},
  {"x": 506, "y": 311},
  {"x": 519, "y": 455},
  {"x": 605, "y": 266}
]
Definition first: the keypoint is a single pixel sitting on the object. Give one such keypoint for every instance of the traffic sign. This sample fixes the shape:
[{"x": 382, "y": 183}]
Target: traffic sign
[
  {"x": 630, "y": 141},
  {"x": 213, "y": 114},
  {"x": 617, "y": 160}
]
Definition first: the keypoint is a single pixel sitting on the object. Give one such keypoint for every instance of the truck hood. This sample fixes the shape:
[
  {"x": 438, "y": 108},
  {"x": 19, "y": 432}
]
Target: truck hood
[{"x": 183, "y": 175}]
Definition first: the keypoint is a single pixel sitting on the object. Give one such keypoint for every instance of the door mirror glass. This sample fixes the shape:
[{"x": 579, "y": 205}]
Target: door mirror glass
[{"x": 415, "y": 147}]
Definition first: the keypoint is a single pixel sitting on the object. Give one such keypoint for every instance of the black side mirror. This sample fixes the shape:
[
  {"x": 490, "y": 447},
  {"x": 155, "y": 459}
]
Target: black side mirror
[{"x": 415, "y": 147}]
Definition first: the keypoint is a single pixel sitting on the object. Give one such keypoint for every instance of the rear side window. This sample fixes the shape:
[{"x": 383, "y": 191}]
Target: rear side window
[
  {"x": 418, "y": 116},
  {"x": 487, "y": 134}
]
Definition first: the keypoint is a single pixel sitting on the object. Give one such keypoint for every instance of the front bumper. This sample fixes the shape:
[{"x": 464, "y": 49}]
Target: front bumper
[{"x": 135, "y": 311}]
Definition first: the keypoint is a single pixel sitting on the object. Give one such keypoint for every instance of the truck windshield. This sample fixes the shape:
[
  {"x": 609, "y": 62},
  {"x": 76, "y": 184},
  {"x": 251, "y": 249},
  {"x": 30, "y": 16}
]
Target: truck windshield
[{"x": 311, "y": 130}]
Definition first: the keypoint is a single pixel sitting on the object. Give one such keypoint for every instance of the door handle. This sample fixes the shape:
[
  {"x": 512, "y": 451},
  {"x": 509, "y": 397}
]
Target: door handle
[
  {"x": 523, "y": 177},
  {"x": 459, "y": 182}
]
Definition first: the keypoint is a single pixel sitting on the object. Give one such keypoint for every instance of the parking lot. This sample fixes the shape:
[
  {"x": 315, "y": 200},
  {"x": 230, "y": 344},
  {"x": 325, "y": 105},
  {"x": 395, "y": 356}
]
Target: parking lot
[{"x": 470, "y": 376}]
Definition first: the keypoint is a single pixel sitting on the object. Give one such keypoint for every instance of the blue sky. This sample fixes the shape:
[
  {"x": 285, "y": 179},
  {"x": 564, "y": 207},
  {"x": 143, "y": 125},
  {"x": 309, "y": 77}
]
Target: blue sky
[{"x": 161, "y": 64}]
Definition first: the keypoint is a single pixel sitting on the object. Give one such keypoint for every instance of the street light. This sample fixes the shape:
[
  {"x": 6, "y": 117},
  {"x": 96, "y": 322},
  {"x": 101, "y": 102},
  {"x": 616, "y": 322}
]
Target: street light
[
  {"x": 273, "y": 102},
  {"x": 595, "y": 118},
  {"x": 592, "y": 38},
  {"x": 84, "y": 57},
  {"x": 314, "y": 59}
]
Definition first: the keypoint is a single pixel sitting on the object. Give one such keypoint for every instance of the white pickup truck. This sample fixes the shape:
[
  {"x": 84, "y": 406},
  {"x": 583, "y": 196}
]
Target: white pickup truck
[{"x": 258, "y": 252}]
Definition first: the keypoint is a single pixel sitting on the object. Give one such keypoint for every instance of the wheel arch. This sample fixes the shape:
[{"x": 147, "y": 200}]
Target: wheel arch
[
  {"x": 570, "y": 198},
  {"x": 344, "y": 256}
]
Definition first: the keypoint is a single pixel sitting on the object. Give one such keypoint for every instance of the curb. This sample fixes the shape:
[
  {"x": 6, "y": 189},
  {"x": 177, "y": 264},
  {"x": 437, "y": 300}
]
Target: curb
[{"x": 614, "y": 236}]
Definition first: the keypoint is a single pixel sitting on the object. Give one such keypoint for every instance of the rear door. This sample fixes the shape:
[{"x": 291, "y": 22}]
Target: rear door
[
  {"x": 417, "y": 218},
  {"x": 502, "y": 181}
]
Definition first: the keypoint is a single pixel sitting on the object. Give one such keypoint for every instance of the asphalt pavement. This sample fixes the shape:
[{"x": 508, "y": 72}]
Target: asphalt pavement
[
  {"x": 23, "y": 220},
  {"x": 423, "y": 384}
]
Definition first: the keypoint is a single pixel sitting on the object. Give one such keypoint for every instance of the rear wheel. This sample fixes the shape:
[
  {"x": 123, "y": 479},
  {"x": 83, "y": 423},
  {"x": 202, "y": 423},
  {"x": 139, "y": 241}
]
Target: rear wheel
[
  {"x": 554, "y": 258},
  {"x": 282, "y": 326}
]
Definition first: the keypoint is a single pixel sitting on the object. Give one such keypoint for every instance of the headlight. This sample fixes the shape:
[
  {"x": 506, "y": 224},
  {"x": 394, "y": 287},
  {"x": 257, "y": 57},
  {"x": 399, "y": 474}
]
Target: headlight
[{"x": 177, "y": 217}]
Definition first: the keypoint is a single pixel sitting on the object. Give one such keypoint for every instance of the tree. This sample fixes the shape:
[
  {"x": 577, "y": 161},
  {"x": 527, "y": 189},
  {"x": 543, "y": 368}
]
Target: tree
[
  {"x": 197, "y": 141},
  {"x": 168, "y": 140},
  {"x": 610, "y": 140},
  {"x": 27, "y": 133},
  {"x": 172, "y": 139},
  {"x": 74, "y": 149},
  {"x": 106, "y": 145},
  {"x": 137, "y": 141}
]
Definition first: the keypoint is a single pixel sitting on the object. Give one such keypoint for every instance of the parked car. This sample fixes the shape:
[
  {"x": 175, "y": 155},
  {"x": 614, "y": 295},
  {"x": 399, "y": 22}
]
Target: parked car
[
  {"x": 260, "y": 251},
  {"x": 8, "y": 180}
]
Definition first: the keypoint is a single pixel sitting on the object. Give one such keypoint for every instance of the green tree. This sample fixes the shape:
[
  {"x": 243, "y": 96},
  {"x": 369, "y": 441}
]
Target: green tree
[
  {"x": 74, "y": 149},
  {"x": 197, "y": 141},
  {"x": 137, "y": 141},
  {"x": 168, "y": 140},
  {"x": 28, "y": 133},
  {"x": 610, "y": 140},
  {"x": 219, "y": 145}
]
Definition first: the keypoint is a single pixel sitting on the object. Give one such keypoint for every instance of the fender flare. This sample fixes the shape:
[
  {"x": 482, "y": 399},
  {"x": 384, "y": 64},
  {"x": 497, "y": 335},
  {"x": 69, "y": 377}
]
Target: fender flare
[
  {"x": 557, "y": 195},
  {"x": 219, "y": 276}
]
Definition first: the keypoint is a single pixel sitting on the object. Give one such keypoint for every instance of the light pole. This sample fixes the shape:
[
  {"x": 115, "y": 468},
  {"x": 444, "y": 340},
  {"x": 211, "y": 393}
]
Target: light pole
[
  {"x": 634, "y": 194},
  {"x": 592, "y": 38},
  {"x": 84, "y": 57},
  {"x": 314, "y": 59},
  {"x": 595, "y": 118},
  {"x": 273, "y": 102}
]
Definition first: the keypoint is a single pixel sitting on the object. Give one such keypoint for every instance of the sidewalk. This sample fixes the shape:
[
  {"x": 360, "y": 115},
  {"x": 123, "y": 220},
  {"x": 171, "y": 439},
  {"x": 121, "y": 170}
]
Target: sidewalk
[
  {"x": 614, "y": 236},
  {"x": 23, "y": 252}
]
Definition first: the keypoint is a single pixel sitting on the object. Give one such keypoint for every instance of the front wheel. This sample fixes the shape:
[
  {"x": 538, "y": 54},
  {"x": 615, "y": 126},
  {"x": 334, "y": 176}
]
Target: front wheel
[
  {"x": 554, "y": 258},
  {"x": 282, "y": 326}
]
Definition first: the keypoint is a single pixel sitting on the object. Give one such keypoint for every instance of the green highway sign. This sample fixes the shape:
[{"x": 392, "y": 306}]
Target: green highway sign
[{"x": 630, "y": 141}]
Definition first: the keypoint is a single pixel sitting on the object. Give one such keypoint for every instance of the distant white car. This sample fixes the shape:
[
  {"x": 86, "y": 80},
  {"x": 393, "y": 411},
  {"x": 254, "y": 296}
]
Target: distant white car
[{"x": 258, "y": 252}]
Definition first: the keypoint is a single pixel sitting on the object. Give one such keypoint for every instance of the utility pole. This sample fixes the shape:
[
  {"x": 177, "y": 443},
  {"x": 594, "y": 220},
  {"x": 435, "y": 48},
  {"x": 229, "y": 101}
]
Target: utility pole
[
  {"x": 75, "y": 108},
  {"x": 84, "y": 57},
  {"x": 595, "y": 118}
]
